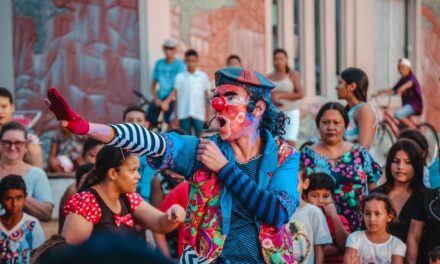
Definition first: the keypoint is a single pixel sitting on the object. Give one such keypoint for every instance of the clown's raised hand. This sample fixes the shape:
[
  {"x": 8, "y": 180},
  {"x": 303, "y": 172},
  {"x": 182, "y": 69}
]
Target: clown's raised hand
[
  {"x": 210, "y": 155},
  {"x": 65, "y": 114}
]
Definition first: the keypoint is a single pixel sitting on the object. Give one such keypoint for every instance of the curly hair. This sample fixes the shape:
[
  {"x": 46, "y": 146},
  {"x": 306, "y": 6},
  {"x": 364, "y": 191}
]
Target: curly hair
[{"x": 273, "y": 120}]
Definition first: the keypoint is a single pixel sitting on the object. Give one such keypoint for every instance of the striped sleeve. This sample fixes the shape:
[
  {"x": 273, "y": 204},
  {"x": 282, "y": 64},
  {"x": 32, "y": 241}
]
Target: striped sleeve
[
  {"x": 272, "y": 206},
  {"x": 138, "y": 140}
]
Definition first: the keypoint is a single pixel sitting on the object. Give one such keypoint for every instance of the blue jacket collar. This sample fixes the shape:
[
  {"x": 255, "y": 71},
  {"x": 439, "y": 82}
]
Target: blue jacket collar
[{"x": 269, "y": 159}]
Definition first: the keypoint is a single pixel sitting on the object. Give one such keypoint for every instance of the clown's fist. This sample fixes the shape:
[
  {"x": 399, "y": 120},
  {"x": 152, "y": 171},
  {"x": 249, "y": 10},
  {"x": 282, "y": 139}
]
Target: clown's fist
[{"x": 210, "y": 155}]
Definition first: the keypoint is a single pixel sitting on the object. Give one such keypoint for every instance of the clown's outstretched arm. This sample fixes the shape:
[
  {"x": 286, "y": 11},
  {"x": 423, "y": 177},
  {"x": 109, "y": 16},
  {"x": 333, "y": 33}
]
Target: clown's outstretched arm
[{"x": 128, "y": 136}]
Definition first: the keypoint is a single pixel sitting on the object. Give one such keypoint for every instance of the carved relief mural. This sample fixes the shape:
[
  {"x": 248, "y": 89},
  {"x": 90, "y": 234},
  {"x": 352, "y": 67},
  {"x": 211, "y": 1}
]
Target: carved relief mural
[
  {"x": 431, "y": 60},
  {"x": 88, "y": 49},
  {"x": 216, "y": 29}
]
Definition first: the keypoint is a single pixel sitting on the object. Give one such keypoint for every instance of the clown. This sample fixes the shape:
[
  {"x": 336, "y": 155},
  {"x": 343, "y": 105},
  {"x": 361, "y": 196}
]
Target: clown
[{"x": 243, "y": 181}]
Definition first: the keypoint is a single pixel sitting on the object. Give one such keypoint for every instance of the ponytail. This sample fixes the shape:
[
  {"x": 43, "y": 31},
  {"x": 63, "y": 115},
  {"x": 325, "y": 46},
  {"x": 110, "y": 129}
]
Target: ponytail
[
  {"x": 90, "y": 179},
  {"x": 108, "y": 158}
]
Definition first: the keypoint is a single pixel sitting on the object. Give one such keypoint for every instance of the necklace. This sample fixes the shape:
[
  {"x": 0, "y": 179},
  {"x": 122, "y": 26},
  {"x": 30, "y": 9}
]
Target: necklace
[
  {"x": 430, "y": 206},
  {"x": 252, "y": 159}
]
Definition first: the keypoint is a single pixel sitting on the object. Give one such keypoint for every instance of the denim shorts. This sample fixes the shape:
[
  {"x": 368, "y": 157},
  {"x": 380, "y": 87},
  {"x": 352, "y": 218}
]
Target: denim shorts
[{"x": 405, "y": 111}]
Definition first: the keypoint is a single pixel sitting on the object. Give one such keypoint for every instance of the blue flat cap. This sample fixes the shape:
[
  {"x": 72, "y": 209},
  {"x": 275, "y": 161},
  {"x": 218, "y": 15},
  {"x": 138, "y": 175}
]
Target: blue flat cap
[{"x": 242, "y": 77}]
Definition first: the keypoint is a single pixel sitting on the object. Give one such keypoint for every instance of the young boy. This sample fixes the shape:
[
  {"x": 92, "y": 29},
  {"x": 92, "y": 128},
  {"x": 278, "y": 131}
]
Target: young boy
[
  {"x": 136, "y": 115},
  {"x": 162, "y": 87},
  {"x": 319, "y": 192},
  {"x": 192, "y": 88},
  {"x": 20, "y": 233},
  {"x": 308, "y": 228}
]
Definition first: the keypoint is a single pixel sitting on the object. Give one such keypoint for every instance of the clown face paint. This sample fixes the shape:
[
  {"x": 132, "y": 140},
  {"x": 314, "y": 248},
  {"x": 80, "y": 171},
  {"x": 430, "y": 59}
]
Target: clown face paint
[{"x": 232, "y": 114}]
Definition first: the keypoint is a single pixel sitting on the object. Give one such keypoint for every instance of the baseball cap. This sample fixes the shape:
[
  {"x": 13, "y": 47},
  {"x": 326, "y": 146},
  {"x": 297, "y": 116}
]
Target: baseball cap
[{"x": 170, "y": 43}]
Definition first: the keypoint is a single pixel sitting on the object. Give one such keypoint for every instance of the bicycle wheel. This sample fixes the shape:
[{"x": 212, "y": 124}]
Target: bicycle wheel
[
  {"x": 383, "y": 140},
  {"x": 431, "y": 136}
]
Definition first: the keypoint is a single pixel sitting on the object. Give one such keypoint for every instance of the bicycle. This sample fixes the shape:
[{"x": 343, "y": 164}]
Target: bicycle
[{"x": 387, "y": 131}]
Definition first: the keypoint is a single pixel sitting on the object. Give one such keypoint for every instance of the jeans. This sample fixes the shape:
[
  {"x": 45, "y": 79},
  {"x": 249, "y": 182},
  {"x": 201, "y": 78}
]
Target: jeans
[
  {"x": 405, "y": 111},
  {"x": 189, "y": 124},
  {"x": 153, "y": 113}
]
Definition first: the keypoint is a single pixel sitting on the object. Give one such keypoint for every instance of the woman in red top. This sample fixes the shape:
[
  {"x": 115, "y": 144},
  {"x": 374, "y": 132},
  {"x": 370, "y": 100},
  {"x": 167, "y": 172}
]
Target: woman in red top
[{"x": 110, "y": 204}]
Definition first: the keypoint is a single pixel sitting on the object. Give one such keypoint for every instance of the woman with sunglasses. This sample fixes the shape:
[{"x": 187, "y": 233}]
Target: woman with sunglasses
[{"x": 13, "y": 148}]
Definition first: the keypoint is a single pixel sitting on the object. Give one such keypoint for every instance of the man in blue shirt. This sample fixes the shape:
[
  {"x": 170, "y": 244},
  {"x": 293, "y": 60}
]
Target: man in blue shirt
[{"x": 162, "y": 88}]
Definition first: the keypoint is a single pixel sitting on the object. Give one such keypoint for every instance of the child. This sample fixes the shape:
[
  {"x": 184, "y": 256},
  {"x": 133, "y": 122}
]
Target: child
[
  {"x": 434, "y": 255},
  {"x": 192, "y": 88},
  {"x": 320, "y": 193},
  {"x": 308, "y": 228},
  {"x": 91, "y": 148},
  {"x": 20, "y": 233},
  {"x": 136, "y": 115},
  {"x": 417, "y": 136},
  {"x": 375, "y": 245}
]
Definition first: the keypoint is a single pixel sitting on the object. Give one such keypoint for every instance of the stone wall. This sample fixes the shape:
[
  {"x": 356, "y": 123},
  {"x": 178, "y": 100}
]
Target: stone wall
[
  {"x": 216, "y": 29},
  {"x": 89, "y": 50}
]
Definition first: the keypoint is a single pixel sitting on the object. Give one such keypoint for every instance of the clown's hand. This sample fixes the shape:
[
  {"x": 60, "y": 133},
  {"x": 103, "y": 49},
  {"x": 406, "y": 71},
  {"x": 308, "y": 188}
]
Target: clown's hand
[
  {"x": 65, "y": 114},
  {"x": 210, "y": 155}
]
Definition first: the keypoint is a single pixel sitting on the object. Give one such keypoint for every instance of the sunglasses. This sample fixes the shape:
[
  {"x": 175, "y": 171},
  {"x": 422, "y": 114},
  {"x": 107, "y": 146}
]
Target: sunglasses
[{"x": 9, "y": 144}]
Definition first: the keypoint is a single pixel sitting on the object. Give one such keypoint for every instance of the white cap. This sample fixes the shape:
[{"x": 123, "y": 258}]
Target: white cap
[
  {"x": 170, "y": 43},
  {"x": 405, "y": 61}
]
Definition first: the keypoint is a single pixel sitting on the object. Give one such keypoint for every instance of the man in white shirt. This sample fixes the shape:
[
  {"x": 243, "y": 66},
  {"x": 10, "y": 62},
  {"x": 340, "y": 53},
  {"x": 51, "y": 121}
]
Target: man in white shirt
[{"x": 191, "y": 87}]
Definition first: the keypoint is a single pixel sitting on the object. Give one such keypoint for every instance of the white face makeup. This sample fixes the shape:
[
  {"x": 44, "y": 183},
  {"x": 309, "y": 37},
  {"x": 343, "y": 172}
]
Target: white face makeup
[{"x": 232, "y": 111}]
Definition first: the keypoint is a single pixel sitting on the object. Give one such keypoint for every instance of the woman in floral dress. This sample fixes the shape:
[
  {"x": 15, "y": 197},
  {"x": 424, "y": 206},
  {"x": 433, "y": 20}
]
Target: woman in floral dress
[{"x": 350, "y": 165}]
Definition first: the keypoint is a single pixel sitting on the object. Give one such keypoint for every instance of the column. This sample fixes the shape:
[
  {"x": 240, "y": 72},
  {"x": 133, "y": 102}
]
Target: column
[
  {"x": 155, "y": 22},
  {"x": 308, "y": 48},
  {"x": 328, "y": 64},
  {"x": 6, "y": 48}
]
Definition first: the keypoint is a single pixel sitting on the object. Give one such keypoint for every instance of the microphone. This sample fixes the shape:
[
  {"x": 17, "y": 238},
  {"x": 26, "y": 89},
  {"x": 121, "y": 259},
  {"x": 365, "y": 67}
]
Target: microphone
[{"x": 206, "y": 125}]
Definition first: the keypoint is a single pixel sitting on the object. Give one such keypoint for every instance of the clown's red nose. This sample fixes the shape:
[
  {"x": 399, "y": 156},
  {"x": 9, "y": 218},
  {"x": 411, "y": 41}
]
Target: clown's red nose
[{"x": 218, "y": 103}]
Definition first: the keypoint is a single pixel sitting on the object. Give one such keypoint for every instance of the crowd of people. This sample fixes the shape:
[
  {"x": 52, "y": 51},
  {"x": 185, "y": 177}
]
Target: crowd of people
[{"x": 234, "y": 192}]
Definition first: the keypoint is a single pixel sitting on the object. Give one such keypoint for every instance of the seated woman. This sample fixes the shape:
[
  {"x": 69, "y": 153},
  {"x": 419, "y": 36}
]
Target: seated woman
[
  {"x": 14, "y": 138},
  {"x": 404, "y": 186},
  {"x": 350, "y": 165},
  {"x": 110, "y": 203}
]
